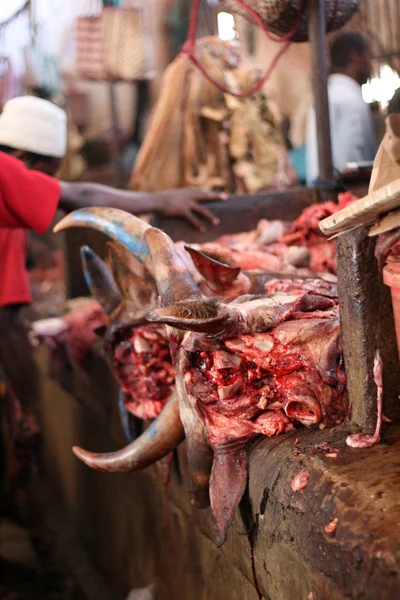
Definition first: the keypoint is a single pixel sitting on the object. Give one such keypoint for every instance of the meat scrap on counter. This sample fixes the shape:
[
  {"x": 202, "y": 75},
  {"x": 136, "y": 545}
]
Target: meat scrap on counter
[
  {"x": 300, "y": 480},
  {"x": 276, "y": 245}
]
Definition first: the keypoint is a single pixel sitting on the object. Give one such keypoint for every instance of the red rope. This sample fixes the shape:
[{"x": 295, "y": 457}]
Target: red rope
[{"x": 189, "y": 49}]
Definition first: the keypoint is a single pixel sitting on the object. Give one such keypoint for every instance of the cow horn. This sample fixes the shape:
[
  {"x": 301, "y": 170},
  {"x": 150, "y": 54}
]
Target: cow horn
[
  {"x": 99, "y": 280},
  {"x": 174, "y": 282},
  {"x": 119, "y": 225},
  {"x": 163, "y": 436}
]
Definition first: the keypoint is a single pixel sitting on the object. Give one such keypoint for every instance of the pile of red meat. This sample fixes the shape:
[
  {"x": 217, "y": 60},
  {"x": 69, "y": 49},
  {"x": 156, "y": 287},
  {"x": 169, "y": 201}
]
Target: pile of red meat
[
  {"x": 142, "y": 363},
  {"x": 264, "y": 383},
  {"x": 71, "y": 337},
  {"x": 276, "y": 246},
  {"x": 305, "y": 231}
]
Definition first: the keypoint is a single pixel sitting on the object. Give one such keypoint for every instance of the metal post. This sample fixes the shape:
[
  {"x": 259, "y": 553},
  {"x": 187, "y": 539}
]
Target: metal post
[
  {"x": 317, "y": 34},
  {"x": 115, "y": 142}
]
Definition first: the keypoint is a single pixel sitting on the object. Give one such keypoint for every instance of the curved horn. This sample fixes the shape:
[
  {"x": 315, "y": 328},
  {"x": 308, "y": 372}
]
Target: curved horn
[
  {"x": 163, "y": 436},
  {"x": 117, "y": 224},
  {"x": 99, "y": 280},
  {"x": 174, "y": 282}
]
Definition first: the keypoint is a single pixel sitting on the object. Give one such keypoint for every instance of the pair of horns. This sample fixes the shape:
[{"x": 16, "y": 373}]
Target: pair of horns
[
  {"x": 176, "y": 286},
  {"x": 113, "y": 282}
]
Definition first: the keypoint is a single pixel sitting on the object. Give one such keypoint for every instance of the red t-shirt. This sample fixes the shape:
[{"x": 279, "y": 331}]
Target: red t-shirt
[{"x": 28, "y": 200}]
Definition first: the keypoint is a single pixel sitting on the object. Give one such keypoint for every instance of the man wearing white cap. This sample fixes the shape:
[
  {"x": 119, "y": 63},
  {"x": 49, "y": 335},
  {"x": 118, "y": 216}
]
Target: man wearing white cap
[{"x": 33, "y": 137}]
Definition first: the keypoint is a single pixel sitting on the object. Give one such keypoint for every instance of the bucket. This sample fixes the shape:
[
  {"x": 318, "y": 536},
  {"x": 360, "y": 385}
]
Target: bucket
[{"x": 391, "y": 278}]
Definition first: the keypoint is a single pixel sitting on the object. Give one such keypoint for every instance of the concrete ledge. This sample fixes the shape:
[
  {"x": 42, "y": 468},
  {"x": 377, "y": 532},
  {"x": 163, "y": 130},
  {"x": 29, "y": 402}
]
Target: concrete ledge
[{"x": 137, "y": 532}]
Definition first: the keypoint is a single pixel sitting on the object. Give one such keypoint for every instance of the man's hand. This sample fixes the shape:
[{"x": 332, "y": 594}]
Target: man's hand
[{"x": 184, "y": 202}]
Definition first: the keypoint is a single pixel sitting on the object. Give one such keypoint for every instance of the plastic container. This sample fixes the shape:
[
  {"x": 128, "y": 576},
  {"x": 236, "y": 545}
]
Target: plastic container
[{"x": 391, "y": 278}]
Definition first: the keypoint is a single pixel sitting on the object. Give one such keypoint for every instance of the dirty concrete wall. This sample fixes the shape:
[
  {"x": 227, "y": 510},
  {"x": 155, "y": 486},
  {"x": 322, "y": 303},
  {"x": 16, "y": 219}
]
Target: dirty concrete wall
[
  {"x": 131, "y": 530},
  {"x": 136, "y": 531}
]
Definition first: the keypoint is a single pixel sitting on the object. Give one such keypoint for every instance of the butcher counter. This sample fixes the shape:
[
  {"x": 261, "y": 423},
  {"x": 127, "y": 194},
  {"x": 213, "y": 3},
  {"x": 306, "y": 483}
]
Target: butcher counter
[{"x": 337, "y": 538}]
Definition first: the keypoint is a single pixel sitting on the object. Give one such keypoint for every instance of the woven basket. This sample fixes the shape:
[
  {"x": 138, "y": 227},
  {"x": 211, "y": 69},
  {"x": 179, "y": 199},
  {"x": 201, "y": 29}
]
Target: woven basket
[{"x": 280, "y": 17}]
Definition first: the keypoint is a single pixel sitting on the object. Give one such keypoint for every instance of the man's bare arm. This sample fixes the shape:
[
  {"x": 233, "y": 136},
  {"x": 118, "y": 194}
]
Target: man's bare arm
[{"x": 182, "y": 203}]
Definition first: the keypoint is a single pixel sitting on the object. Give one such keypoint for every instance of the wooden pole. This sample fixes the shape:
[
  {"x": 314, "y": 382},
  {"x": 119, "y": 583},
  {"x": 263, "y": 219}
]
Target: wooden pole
[
  {"x": 115, "y": 141},
  {"x": 317, "y": 34}
]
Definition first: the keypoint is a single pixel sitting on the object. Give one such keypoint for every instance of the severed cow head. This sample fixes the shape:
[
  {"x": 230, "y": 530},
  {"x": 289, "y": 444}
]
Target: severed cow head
[{"x": 255, "y": 365}]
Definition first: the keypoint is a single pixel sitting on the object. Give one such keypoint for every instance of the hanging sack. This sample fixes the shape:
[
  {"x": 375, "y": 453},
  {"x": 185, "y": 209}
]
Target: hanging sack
[
  {"x": 90, "y": 50},
  {"x": 114, "y": 45},
  {"x": 282, "y": 16},
  {"x": 127, "y": 44}
]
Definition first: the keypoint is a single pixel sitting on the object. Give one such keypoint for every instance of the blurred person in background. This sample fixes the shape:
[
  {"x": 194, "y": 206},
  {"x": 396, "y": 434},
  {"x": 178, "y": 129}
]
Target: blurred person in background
[{"x": 352, "y": 135}]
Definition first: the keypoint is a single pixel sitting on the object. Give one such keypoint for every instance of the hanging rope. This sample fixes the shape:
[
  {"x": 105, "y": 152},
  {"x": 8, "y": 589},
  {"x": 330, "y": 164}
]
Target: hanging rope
[
  {"x": 190, "y": 46},
  {"x": 189, "y": 49}
]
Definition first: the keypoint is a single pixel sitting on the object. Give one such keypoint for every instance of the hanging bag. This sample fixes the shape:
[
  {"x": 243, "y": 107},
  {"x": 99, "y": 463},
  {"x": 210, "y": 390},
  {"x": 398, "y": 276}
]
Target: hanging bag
[
  {"x": 90, "y": 49},
  {"x": 114, "y": 45}
]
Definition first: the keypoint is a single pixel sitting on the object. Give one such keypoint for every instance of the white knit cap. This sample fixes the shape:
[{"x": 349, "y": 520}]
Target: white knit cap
[{"x": 35, "y": 125}]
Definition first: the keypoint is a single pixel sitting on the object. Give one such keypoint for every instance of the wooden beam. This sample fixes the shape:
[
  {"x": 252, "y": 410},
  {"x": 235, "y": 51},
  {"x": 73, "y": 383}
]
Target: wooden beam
[
  {"x": 367, "y": 324},
  {"x": 319, "y": 70}
]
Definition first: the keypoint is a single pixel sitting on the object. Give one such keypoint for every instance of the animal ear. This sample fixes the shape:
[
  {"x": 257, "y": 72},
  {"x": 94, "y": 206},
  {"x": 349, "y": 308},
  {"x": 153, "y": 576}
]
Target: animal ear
[
  {"x": 218, "y": 275},
  {"x": 227, "y": 485},
  {"x": 200, "y": 315}
]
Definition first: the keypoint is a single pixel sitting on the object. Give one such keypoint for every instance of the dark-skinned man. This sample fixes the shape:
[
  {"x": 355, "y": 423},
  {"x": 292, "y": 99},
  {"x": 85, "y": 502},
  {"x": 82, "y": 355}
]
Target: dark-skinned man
[{"x": 352, "y": 134}]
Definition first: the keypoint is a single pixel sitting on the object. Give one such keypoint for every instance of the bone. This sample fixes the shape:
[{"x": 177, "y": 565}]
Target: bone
[
  {"x": 163, "y": 436},
  {"x": 117, "y": 224},
  {"x": 100, "y": 281},
  {"x": 303, "y": 408}
]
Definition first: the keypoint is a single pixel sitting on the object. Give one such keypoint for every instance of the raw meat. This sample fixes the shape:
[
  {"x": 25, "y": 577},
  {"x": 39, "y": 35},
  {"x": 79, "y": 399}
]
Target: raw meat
[
  {"x": 300, "y": 481},
  {"x": 71, "y": 337},
  {"x": 256, "y": 365},
  {"x": 244, "y": 367},
  {"x": 141, "y": 361},
  {"x": 305, "y": 231},
  {"x": 363, "y": 440}
]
